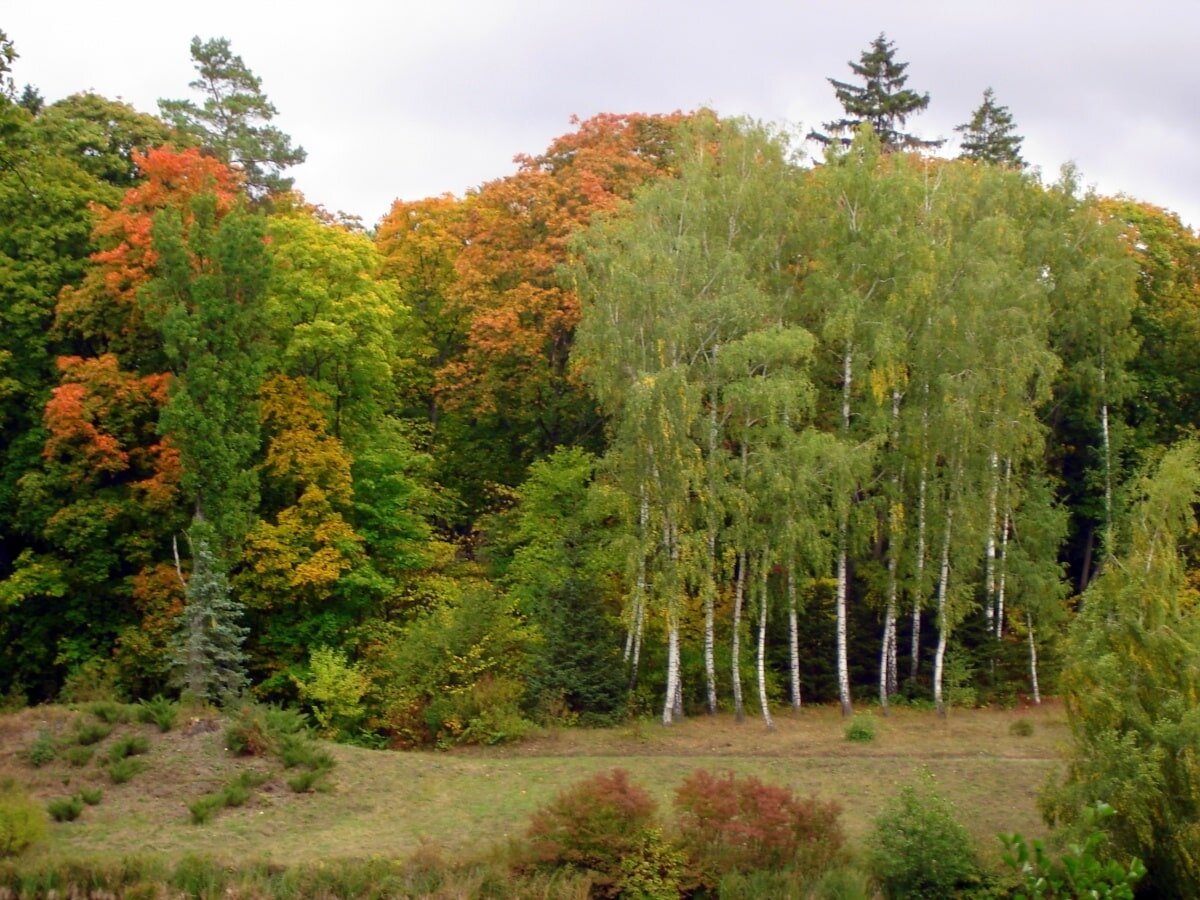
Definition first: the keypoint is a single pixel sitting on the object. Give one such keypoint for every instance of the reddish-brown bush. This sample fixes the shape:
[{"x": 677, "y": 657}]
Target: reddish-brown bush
[
  {"x": 593, "y": 825},
  {"x": 728, "y": 824}
]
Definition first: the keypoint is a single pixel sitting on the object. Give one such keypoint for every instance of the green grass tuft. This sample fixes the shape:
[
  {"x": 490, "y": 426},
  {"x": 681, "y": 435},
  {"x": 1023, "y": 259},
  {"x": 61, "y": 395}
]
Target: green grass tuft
[
  {"x": 123, "y": 770},
  {"x": 861, "y": 730},
  {"x": 128, "y": 745},
  {"x": 65, "y": 809}
]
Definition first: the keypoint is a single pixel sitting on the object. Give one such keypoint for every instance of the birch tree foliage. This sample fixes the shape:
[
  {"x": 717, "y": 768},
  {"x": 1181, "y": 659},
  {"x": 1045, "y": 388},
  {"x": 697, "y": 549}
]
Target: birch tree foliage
[{"x": 665, "y": 287}]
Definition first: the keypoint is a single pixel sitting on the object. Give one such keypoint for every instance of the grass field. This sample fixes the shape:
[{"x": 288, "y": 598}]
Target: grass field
[{"x": 391, "y": 804}]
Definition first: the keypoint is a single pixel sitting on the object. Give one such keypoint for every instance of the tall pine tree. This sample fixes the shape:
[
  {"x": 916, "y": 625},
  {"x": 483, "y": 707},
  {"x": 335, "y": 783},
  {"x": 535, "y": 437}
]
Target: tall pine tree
[
  {"x": 991, "y": 135},
  {"x": 881, "y": 100}
]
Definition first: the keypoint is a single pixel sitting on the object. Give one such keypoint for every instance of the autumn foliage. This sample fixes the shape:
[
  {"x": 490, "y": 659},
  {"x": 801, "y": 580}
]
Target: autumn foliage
[{"x": 728, "y": 824}]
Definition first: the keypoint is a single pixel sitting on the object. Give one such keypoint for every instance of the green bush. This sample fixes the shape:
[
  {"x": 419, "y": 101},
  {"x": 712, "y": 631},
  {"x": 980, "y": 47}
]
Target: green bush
[
  {"x": 80, "y": 755},
  {"x": 124, "y": 769},
  {"x": 87, "y": 733},
  {"x": 128, "y": 745},
  {"x": 65, "y": 809},
  {"x": 308, "y": 781},
  {"x": 655, "y": 869},
  {"x": 334, "y": 690},
  {"x": 1083, "y": 871},
  {"x": 861, "y": 730},
  {"x": 205, "y": 807},
  {"x": 917, "y": 847},
  {"x": 110, "y": 712},
  {"x": 593, "y": 825},
  {"x": 1021, "y": 728},
  {"x": 91, "y": 796},
  {"x": 259, "y": 730},
  {"x": 42, "y": 750},
  {"x": 22, "y": 821},
  {"x": 160, "y": 711}
]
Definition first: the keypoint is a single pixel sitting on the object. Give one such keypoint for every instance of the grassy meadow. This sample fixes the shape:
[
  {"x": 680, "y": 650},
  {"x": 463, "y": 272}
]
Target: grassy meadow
[{"x": 463, "y": 804}]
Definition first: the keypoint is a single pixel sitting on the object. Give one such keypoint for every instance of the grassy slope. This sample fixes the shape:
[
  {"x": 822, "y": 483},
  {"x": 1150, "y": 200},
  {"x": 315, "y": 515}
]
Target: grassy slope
[{"x": 389, "y": 804}]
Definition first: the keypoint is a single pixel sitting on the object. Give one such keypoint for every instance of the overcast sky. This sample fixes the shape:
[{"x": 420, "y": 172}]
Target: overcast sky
[{"x": 406, "y": 100}]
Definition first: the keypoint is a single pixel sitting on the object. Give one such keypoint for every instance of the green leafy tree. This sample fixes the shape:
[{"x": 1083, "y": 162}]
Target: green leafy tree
[
  {"x": 881, "y": 101},
  {"x": 208, "y": 299},
  {"x": 561, "y": 570},
  {"x": 102, "y": 135},
  {"x": 1131, "y": 682},
  {"x": 991, "y": 135},
  {"x": 234, "y": 122}
]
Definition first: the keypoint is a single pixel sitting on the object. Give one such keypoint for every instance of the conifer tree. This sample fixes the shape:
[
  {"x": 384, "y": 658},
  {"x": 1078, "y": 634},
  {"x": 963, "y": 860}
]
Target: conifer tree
[
  {"x": 208, "y": 648},
  {"x": 234, "y": 122},
  {"x": 991, "y": 135},
  {"x": 881, "y": 100}
]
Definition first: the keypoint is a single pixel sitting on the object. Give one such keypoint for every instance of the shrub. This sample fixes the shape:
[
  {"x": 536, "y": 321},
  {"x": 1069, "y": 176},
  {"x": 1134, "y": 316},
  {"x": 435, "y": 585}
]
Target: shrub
[
  {"x": 334, "y": 690},
  {"x": 91, "y": 796},
  {"x": 129, "y": 745},
  {"x": 594, "y": 824},
  {"x": 159, "y": 711},
  {"x": 728, "y": 824},
  {"x": 918, "y": 848},
  {"x": 861, "y": 730},
  {"x": 110, "y": 712},
  {"x": 1021, "y": 728},
  {"x": 42, "y": 750},
  {"x": 258, "y": 730},
  {"x": 299, "y": 750},
  {"x": 79, "y": 756},
  {"x": 65, "y": 809},
  {"x": 308, "y": 781},
  {"x": 1083, "y": 871},
  {"x": 203, "y": 808},
  {"x": 124, "y": 769},
  {"x": 655, "y": 870},
  {"x": 22, "y": 822},
  {"x": 87, "y": 733}
]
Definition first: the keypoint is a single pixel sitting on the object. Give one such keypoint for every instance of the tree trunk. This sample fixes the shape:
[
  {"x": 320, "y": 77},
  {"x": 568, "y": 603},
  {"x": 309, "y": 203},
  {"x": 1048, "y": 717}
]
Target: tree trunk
[
  {"x": 710, "y": 589},
  {"x": 989, "y": 577},
  {"x": 1033, "y": 678},
  {"x": 739, "y": 592},
  {"x": 672, "y": 668},
  {"x": 1107, "y": 547},
  {"x": 1007, "y": 526},
  {"x": 920, "y": 577},
  {"x": 793, "y": 637},
  {"x": 843, "y": 540},
  {"x": 943, "y": 632},
  {"x": 762, "y": 645},
  {"x": 887, "y": 654}
]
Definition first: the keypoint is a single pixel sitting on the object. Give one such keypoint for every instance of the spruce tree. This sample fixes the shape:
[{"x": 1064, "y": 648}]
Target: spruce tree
[
  {"x": 209, "y": 661},
  {"x": 882, "y": 101},
  {"x": 991, "y": 135}
]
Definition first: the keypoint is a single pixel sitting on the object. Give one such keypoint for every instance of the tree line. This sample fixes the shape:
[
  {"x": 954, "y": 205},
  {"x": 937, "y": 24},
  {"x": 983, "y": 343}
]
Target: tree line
[{"x": 667, "y": 389}]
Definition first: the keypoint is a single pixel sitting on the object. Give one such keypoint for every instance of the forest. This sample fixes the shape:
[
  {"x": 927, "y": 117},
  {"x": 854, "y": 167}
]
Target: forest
[{"x": 687, "y": 413}]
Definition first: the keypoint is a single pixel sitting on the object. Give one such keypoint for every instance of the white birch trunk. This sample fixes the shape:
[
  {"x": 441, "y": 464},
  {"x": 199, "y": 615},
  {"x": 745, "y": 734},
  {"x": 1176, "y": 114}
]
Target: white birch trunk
[
  {"x": 943, "y": 632},
  {"x": 1108, "y": 491},
  {"x": 843, "y": 667},
  {"x": 793, "y": 636},
  {"x": 1033, "y": 676},
  {"x": 710, "y": 670},
  {"x": 710, "y": 667},
  {"x": 762, "y": 646},
  {"x": 989, "y": 577},
  {"x": 1004, "y": 549},
  {"x": 920, "y": 576},
  {"x": 668, "y": 714},
  {"x": 887, "y": 656},
  {"x": 739, "y": 591}
]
